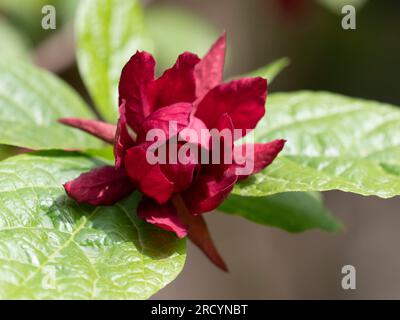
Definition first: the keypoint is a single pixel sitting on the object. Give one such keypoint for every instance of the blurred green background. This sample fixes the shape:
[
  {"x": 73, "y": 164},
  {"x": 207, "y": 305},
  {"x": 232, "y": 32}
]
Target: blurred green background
[{"x": 362, "y": 62}]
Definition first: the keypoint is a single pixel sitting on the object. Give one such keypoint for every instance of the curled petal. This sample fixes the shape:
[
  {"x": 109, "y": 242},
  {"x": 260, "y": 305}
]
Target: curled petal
[
  {"x": 135, "y": 78},
  {"x": 147, "y": 177},
  {"x": 123, "y": 140},
  {"x": 101, "y": 186},
  {"x": 257, "y": 156},
  {"x": 198, "y": 233},
  {"x": 243, "y": 100},
  {"x": 102, "y": 130},
  {"x": 163, "y": 216},
  {"x": 207, "y": 192},
  {"x": 291, "y": 7},
  {"x": 209, "y": 71},
  {"x": 176, "y": 84}
]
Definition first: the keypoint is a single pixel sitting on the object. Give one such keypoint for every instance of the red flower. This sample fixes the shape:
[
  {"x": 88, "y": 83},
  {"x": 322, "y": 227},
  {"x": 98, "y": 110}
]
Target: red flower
[{"x": 192, "y": 95}]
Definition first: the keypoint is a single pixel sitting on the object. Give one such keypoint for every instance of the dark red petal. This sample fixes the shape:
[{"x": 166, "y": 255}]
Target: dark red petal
[
  {"x": 224, "y": 126},
  {"x": 163, "y": 117},
  {"x": 101, "y": 186},
  {"x": 123, "y": 140},
  {"x": 163, "y": 216},
  {"x": 196, "y": 133},
  {"x": 243, "y": 100},
  {"x": 180, "y": 174},
  {"x": 176, "y": 84},
  {"x": 263, "y": 155},
  {"x": 102, "y": 130},
  {"x": 207, "y": 193},
  {"x": 198, "y": 233},
  {"x": 209, "y": 71},
  {"x": 148, "y": 178},
  {"x": 135, "y": 78}
]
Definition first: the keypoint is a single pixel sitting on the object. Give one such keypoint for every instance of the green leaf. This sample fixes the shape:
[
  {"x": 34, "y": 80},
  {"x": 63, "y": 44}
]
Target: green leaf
[
  {"x": 31, "y": 101},
  {"x": 8, "y": 151},
  {"x": 334, "y": 142},
  {"x": 271, "y": 70},
  {"x": 108, "y": 33},
  {"x": 53, "y": 248},
  {"x": 175, "y": 30},
  {"x": 16, "y": 43},
  {"x": 292, "y": 211}
]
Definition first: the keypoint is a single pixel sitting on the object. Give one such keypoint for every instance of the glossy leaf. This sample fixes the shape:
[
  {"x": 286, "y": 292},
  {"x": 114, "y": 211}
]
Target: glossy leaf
[
  {"x": 108, "y": 33},
  {"x": 334, "y": 142},
  {"x": 292, "y": 211},
  {"x": 8, "y": 151},
  {"x": 53, "y": 248},
  {"x": 31, "y": 101}
]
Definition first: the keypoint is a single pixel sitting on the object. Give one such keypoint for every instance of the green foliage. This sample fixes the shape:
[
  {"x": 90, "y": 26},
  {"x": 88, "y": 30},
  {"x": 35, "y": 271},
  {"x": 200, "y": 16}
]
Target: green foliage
[
  {"x": 337, "y": 5},
  {"x": 108, "y": 33},
  {"x": 27, "y": 15},
  {"x": 334, "y": 142},
  {"x": 14, "y": 42},
  {"x": 31, "y": 101},
  {"x": 270, "y": 71},
  {"x": 54, "y": 248},
  {"x": 7, "y": 151},
  {"x": 292, "y": 211}
]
